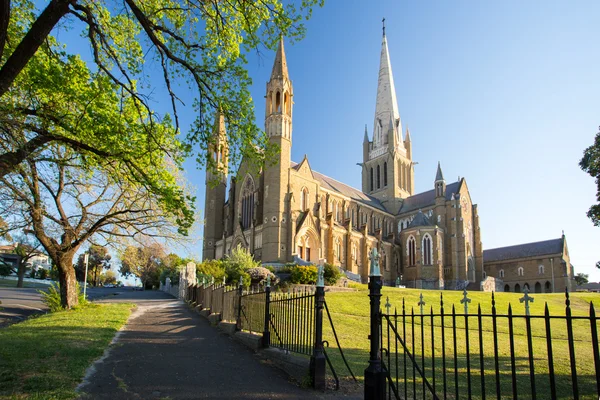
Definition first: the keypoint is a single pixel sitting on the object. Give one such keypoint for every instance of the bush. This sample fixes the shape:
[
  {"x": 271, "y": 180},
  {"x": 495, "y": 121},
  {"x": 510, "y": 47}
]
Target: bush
[
  {"x": 304, "y": 274},
  {"x": 51, "y": 298},
  {"x": 287, "y": 268},
  {"x": 259, "y": 275},
  {"x": 42, "y": 273},
  {"x": 331, "y": 274},
  {"x": 214, "y": 268}
]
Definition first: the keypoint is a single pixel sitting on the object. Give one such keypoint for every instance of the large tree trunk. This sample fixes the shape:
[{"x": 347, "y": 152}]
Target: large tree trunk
[{"x": 69, "y": 296}]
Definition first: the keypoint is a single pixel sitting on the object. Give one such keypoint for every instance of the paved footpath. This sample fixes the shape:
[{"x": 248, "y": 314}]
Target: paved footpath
[{"x": 168, "y": 352}]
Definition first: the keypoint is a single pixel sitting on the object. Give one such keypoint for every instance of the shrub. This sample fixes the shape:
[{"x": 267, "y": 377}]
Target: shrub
[
  {"x": 331, "y": 274},
  {"x": 304, "y": 274},
  {"x": 214, "y": 268},
  {"x": 259, "y": 275},
  {"x": 51, "y": 297},
  {"x": 287, "y": 268},
  {"x": 42, "y": 273}
]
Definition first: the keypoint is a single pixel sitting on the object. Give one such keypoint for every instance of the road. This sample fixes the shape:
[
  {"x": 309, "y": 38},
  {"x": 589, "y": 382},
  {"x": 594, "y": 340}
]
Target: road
[{"x": 20, "y": 303}]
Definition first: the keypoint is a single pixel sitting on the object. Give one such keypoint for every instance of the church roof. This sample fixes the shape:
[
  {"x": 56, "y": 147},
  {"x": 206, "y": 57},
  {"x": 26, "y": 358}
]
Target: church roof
[
  {"x": 426, "y": 199},
  {"x": 535, "y": 249},
  {"x": 420, "y": 220},
  {"x": 345, "y": 190}
]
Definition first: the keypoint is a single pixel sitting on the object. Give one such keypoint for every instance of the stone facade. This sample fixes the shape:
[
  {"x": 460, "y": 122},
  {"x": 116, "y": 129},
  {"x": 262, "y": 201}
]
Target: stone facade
[
  {"x": 285, "y": 211},
  {"x": 542, "y": 267}
]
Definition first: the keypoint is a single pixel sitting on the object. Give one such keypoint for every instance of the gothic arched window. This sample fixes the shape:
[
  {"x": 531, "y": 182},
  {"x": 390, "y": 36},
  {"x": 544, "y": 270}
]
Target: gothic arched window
[
  {"x": 501, "y": 273},
  {"x": 541, "y": 269},
  {"x": 378, "y": 177},
  {"x": 371, "y": 179},
  {"x": 385, "y": 174},
  {"x": 427, "y": 253},
  {"x": 304, "y": 199},
  {"x": 247, "y": 203},
  {"x": 412, "y": 250},
  {"x": 520, "y": 271}
]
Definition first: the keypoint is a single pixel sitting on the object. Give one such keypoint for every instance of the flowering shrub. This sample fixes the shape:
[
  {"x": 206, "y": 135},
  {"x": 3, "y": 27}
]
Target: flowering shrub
[{"x": 259, "y": 275}]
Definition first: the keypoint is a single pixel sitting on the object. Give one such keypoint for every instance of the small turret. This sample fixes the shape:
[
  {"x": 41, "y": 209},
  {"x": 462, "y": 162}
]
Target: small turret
[
  {"x": 440, "y": 183},
  {"x": 408, "y": 145}
]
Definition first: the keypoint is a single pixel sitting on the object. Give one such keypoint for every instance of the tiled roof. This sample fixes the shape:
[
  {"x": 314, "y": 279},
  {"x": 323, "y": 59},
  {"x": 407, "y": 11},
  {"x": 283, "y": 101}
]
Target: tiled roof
[
  {"x": 426, "y": 199},
  {"x": 348, "y": 191},
  {"x": 535, "y": 249},
  {"x": 420, "y": 220}
]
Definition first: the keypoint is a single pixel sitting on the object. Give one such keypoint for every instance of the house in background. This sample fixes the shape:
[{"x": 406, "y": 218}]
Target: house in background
[{"x": 37, "y": 259}]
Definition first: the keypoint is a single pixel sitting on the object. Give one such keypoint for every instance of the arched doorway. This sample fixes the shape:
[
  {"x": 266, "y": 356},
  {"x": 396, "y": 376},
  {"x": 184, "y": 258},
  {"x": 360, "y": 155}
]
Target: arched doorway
[
  {"x": 538, "y": 287},
  {"x": 307, "y": 245},
  {"x": 506, "y": 288},
  {"x": 548, "y": 287},
  {"x": 517, "y": 288}
]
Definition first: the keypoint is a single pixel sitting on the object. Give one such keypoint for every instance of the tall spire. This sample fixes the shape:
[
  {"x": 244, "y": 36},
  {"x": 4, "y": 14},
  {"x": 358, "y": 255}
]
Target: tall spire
[
  {"x": 386, "y": 107},
  {"x": 280, "y": 65}
]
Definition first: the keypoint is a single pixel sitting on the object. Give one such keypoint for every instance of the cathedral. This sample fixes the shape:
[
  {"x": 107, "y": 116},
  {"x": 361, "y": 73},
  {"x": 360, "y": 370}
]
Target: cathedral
[{"x": 286, "y": 212}]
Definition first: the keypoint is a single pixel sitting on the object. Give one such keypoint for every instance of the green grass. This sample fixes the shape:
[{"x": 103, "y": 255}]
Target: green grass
[
  {"x": 46, "y": 357},
  {"x": 13, "y": 283},
  {"x": 350, "y": 314}
]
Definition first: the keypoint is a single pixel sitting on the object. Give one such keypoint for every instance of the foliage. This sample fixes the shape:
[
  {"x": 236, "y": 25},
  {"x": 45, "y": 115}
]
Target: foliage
[
  {"x": 25, "y": 247},
  {"x": 331, "y": 274},
  {"x": 5, "y": 269},
  {"x": 108, "y": 277},
  {"x": 590, "y": 163},
  {"x": 213, "y": 268},
  {"x": 237, "y": 265},
  {"x": 287, "y": 268},
  {"x": 259, "y": 275},
  {"x": 304, "y": 274},
  {"x": 4, "y": 230},
  {"x": 197, "y": 45},
  {"x": 42, "y": 273},
  {"x": 581, "y": 278},
  {"x": 98, "y": 260},
  {"x": 51, "y": 297},
  {"x": 143, "y": 262},
  {"x": 47, "y": 357}
]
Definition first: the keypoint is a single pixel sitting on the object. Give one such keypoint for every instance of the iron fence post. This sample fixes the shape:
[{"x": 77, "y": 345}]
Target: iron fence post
[
  {"x": 238, "y": 319},
  {"x": 317, "y": 360},
  {"x": 375, "y": 385},
  {"x": 266, "y": 337}
]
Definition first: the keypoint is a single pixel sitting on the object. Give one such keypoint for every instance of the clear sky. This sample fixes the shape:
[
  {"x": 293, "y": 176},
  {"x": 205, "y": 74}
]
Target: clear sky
[{"x": 502, "y": 93}]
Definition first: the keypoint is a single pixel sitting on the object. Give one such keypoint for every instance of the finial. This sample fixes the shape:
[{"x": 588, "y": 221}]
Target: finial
[
  {"x": 320, "y": 276},
  {"x": 383, "y": 22},
  {"x": 374, "y": 257},
  {"x": 268, "y": 281},
  {"x": 527, "y": 299}
]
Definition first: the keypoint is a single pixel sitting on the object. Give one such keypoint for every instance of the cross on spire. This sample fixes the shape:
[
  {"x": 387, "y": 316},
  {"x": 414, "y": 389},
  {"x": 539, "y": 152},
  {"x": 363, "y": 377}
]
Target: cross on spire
[
  {"x": 527, "y": 299},
  {"x": 465, "y": 300},
  {"x": 421, "y": 303},
  {"x": 383, "y": 23}
]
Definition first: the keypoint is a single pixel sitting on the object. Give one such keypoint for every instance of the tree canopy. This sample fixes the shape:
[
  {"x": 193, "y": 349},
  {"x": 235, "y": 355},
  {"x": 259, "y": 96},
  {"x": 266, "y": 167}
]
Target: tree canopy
[
  {"x": 195, "y": 45},
  {"x": 590, "y": 163}
]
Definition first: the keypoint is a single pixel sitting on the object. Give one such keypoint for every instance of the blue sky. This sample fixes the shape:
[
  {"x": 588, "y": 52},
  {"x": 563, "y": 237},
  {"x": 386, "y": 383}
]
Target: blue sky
[{"x": 504, "y": 94}]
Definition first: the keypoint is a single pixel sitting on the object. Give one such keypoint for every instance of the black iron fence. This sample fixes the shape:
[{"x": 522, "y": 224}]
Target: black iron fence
[
  {"x": 253, "y": 311},
  {"x": 471, "y": 354},
  {"x": 292, "y": 321}
]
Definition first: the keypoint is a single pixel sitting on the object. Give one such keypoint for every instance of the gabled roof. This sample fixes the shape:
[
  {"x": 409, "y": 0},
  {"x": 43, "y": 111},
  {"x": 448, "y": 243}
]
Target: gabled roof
[
  {"x": 345, "y": 190},
  {"x": 426, "y": 199},
  {"x": 420, "y": 220},
  {"x": 535, "y": 249}
]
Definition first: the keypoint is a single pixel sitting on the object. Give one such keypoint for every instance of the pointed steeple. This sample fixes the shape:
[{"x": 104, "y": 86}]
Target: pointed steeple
[
  {"x": 386, "y": 106},
  {"x": 407, "y": 137},
  {"x": 439, "y": 176},
  {"x": 366, "y": 138},
  {"x": 280, "y": 65}
]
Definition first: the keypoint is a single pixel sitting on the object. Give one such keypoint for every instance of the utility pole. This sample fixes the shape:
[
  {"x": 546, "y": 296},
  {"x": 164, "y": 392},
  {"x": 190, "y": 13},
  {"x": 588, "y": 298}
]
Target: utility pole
[{"x": 85, "y": 259}]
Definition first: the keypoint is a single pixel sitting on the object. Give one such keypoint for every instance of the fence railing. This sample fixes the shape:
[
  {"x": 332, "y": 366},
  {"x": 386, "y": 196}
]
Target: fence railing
[
  {"x": 292, "y": 322},
  {"x": 217, "y": 299},
  {"x": 230, "y": 304},
  {"x": 472, "y": 354},
  {"x": 253, "y": 311}
]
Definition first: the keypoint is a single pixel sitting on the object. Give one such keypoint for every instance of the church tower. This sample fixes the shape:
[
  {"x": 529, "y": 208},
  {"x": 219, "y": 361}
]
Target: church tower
[
  {"x": 278, "y": 127},
  {"x": 216, "y": 185},
  {"x": 388, "y": 172}
]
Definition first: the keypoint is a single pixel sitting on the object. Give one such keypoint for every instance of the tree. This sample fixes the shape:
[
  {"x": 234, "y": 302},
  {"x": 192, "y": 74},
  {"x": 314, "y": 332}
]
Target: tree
[
  {"x": 108, "y": 278},
  {"x": 581, "y": 278},
  {"x": 98, "y": 261},
  {"x": 65, "y": 203},
  {"x": 4, "y": 235},
  {"x": 143, "y": 262},
  {"x": 195, "y": 44},
  {"x": 26, "y": 248},
  {"x": 590, "y": 163}
]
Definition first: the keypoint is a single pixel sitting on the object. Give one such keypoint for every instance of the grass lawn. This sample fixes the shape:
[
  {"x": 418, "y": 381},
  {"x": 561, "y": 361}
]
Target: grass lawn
[
  {"x": 46, "y": 357},
  {"x": 350, "y": 314},
  {"x": 13, "y": 283}
]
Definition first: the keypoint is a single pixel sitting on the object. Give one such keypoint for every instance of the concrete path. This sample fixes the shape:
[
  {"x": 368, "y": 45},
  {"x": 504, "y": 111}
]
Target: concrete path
[{"x": 168, "y": 352}]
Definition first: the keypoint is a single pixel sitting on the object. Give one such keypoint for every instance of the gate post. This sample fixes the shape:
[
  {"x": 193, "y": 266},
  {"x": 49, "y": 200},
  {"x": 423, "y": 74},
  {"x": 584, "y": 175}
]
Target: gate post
[
  {"x": 375, "y": 385},
  {"x": 317, "y": 360},
  {"x": 266, "y": 336},
  {"x": 238, "y": 320}
]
